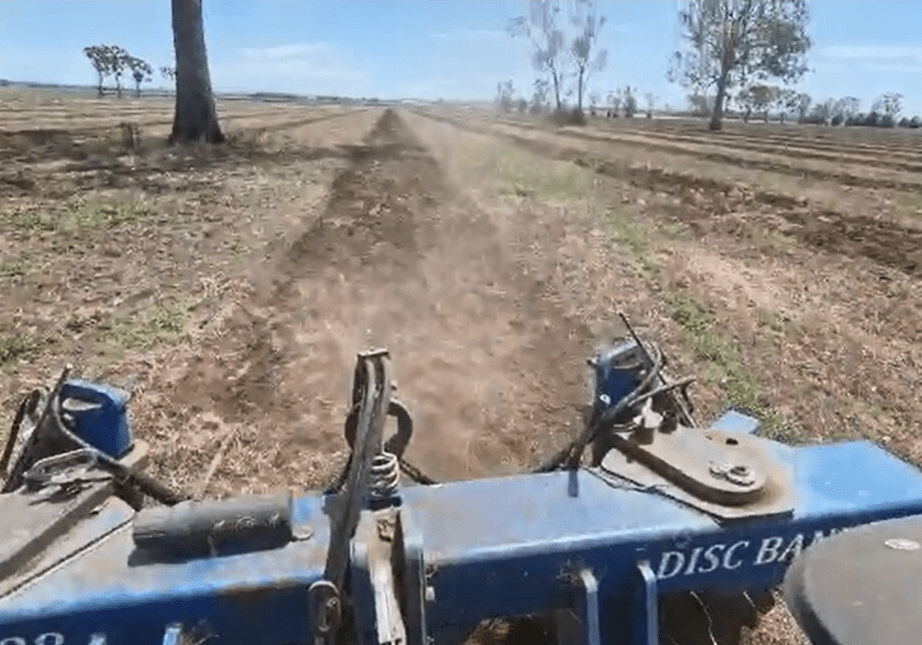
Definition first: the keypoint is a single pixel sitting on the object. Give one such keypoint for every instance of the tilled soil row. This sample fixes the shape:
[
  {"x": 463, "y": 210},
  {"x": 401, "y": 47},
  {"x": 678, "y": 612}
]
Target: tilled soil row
[{"x": 884, "y": 242}]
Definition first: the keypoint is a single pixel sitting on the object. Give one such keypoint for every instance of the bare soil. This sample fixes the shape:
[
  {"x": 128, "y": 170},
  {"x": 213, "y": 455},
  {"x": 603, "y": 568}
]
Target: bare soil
[{"x": 231, "y": 287}]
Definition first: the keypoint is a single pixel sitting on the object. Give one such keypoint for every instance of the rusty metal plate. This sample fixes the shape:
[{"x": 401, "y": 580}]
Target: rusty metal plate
[
  {"x": 102, "y": 521},
  {"x": 678, "y": 466},
  {"x": 34, "y": 521}
]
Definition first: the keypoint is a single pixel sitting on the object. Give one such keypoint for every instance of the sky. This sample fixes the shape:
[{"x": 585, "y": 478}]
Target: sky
[{"x": 428, "y": 49}]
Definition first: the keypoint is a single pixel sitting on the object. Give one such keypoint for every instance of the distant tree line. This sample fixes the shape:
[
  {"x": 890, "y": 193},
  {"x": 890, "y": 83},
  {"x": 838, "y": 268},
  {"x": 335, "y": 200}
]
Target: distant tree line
[
  {"x": 195, "y": 117},
  {"x": 736, "y": 56},
  {"x": 112, "y": 61},
  {"x": 886, "y": 110},
  {"x": 566, "y": 54},
  {"x": 731, "y": 47}
]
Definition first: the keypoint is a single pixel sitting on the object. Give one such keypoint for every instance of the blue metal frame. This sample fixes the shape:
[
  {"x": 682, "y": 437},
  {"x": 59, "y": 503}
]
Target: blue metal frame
[{"x": 579, "y": 540}]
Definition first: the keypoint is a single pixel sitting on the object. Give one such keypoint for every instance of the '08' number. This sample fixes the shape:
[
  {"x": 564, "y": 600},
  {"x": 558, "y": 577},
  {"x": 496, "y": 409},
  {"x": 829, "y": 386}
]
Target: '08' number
[{"x": 51, "y": 638}]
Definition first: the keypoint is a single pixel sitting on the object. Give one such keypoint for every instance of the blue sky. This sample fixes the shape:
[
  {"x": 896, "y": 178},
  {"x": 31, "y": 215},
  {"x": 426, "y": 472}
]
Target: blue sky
[{"x": 430, "y": 48}]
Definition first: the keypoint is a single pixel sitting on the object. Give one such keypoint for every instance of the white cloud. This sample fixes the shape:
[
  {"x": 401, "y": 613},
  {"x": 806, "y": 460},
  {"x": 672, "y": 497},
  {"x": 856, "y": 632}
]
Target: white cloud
[
  {"x": 283, "y": 52},
  {"x": 312, "y": 67},
  {"x": 471, "y": 34},
  {"x": 898, "y": 58}
]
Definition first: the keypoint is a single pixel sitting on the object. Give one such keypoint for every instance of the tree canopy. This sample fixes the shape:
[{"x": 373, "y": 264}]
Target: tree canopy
[{"x": 732, "y": 43}]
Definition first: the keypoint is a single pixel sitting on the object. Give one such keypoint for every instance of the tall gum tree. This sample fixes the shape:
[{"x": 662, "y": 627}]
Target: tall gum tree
[
  {"x": 542, "y": 27},
  {"x": 731, "y": 43},
  {"x": 195, "y": 118}
]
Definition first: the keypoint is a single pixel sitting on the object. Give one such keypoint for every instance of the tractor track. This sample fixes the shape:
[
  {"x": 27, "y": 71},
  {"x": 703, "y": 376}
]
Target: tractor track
[
  {"x": 884, "y": 242},
  {"x": 782, "y": 167},
  {"x": 96, "y": 163},
  {"x": 848, "y": 140},
  {"x": 43, "y": 133},
  {"x": 38, "y": 145},
  {"x": 396, "y": 258},
  {"x": 881, "y": 157}
]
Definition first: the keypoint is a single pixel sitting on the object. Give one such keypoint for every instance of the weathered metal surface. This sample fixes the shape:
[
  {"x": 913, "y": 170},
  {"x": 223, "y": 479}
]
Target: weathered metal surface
[
  {"x": 33, "y": 520},
  {"x": 376, "y": 566},
  {"x": 729, "y": 470},
  {"x": 101, "y": 521},
  {"x": 114, "y": 588},
  {"x": 100, "y": 415},
  {"x": 513, "y": 551},
  {"x": 212, "y": 527},
  {"x": 494, "y": 547},
  {"x": 772, "y": 498},
  {"x": 424, "y": 565},
  {"x": 860, "y": 587}
]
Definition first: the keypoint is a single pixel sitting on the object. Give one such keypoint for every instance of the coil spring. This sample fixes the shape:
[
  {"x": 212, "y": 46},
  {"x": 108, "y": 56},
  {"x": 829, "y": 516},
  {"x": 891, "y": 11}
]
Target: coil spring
[{"x": 385, "y": 475}]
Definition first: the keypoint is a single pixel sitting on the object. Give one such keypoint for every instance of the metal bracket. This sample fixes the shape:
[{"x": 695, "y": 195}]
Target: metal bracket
[
  {"x": 376, "y": 563},
  {"x": 580, "y": 625},
  {"x": 646, "y": 599},
  {"x": 68, "y": 470},
  {"x": 727, "y": 475}
]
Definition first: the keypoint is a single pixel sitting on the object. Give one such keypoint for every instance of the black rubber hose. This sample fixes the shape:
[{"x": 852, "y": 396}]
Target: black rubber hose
[
  {"x": 145, "y": 483},
  {"x": 575, "y": 448},
  {"x": 14, "y": 433}
]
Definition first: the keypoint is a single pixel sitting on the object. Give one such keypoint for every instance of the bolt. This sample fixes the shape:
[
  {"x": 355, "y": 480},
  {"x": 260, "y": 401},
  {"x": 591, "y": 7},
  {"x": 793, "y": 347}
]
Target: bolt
[
  {"x": 741, "y": 475},
  {"x": 718, "y": 471},
  {"x": 735, "y": 474}
]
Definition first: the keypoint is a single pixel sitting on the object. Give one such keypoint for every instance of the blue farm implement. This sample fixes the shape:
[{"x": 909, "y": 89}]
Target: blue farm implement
[{"x": 647, "y": 528}]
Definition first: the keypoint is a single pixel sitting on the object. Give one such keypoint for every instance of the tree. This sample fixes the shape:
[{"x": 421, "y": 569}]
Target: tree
[
  {"x": 539, "y": 96},
  {"x": 850, "y": 106},
  {"x": 822, "y": 113},
  {"x": 731, "y": 42},
  {"x": 118, "y": 63},
  {"x": 168, "y": 72},
  {"x": 629, "y": 101},
  {"x": 100, "y": 60},
  {"x": 651, "y": 101},
  {"x": 700, "y": 104},
  {"x": 760, "y": 98},
  {"x": 541, "y": 27},
  {"x": 140, "y": 71},
  {"x": 195, "y": 117},
  {"x": 799, "y": 103},
  {"x": 504, "y": 95},
  {"x": 588, "y": 23},
  {"x": 614, "y": 103},
  {"x": 889, "y": 104}
]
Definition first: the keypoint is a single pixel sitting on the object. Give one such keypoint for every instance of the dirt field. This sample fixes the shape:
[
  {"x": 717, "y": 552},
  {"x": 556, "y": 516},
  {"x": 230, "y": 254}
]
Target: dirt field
[{"x": 232, "y": 287}]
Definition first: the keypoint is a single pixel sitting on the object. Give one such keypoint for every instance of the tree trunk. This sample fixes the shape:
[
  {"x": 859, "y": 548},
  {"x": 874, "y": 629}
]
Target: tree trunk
[
  {"x": 118, "y": 86},
  {"x": 718, "y": 113},
  {"x": 99, "y": 90},
  {"x": 195, "y": 118},
  {"x": 579, "y": 92},
  {"x": 137, "y": 89},
  {"x": 556, "y": 88}
]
